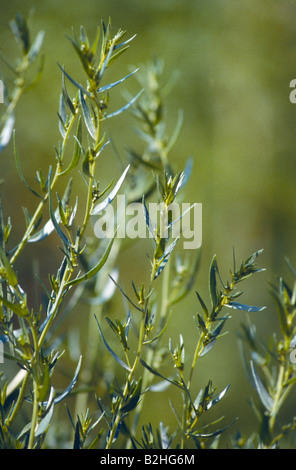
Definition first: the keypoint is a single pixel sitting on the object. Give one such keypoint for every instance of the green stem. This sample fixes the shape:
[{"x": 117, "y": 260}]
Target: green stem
[
  {"x": 34, "y": 417},
  {"x": 279, "y": 391}
]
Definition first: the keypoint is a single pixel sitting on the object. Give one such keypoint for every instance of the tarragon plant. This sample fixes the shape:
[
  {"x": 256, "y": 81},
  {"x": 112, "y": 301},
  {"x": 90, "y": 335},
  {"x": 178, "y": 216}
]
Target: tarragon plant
[{"x": 142, "y": 359}]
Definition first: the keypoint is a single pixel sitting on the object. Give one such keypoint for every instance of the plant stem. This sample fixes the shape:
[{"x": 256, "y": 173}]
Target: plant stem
[
  {"x": 34, "y": 416},
  {"x": 39, "y": 209}
]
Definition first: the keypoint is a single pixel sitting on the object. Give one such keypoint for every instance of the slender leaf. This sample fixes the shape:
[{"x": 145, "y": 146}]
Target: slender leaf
[
  {"x": 77, "y": 150},
  {"x": 282, "y": 314},
  {"x": 19, "y": 168},
  {"x": 63, "y": 237},
  {"x": 218, "y": 398},
  {"x": 165, "y": 257},
  {"x": 117, "y": 358},
  {"x": 264, "y": 396},
  {"x": 203, "y": 305},
  {"x": 213, "y": 283},
  {"x": 176, "y": 132},
  {"x": 80, "y": 87},
  {"x": 202, "y": 435},
  {"x": 111, "y": 85},
  {"x": 66, "y": 96},
  {"x": 71, "y": 385},
  {"x": 103, "y": 205},
  {"x": 246, "y": 308},
  {"x": 87, "y": 116},
  {"x": 158, "y": 374},
  {"x": 147, "y": 218},
  {"x": 44, "y": 423},
  {"x": 125, "y": 295},
  {"x": 6, "y": 132},
  {"x": 117, "y": 46},
  {"x": 124, "y": 108},
  {"x": 62, "y": 116},
  {"x": 36, "y": 46}
]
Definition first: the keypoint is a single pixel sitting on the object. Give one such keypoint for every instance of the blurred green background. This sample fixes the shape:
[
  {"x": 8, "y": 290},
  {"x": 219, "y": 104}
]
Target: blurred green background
[{"x": 235, "y": 60}]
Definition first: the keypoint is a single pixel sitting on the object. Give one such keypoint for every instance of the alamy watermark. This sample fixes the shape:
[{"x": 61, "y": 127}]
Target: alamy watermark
[{"x": 136, "y": 220}]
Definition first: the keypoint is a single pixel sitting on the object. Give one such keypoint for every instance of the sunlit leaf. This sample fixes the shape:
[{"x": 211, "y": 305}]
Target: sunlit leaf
[
  {"x": 103, "y": 205},
  {"x": 246, "y": 308},
  {"x": 6, "y": 132},
  {"x": 112, "y": 85},
  {"x": 124, "y": 108},
  {"x": 19, "y": 168}
]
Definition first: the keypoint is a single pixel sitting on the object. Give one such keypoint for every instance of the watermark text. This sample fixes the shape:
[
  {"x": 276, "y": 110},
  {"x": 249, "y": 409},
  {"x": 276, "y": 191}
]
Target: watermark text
[{"x": 156, "y": 220}]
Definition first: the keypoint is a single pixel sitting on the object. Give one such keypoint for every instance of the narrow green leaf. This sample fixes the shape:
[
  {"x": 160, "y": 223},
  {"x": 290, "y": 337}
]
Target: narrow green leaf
[
  {"x": 117, "y": 358},
  {"x": 158, "y": 374},
  {"x": 282, "y": 314},
  {"x": 246, "y": 308},
  {"x": 213, "y": 283},
  {"x": 103, "y": 205},
  {"x": 202, "y": 435},
  {"x": 20, "y": 30},
  {"x": 125, "y": 295},
  {"x": 62, "y": 116},
  {"x": 66, "y": 96},
  {"x": 19, "y": 168},
  {"x": 68, "y": 390},
  {"x": 124, "y": 108},
  {"x": 87, "y": 116},
  {"x": 80, "y": 87},
  {"x": 112, "y": 85},
  {"x": 63, "y": 237},
  {"x": 45, "y": 422},
  {"x": 77, "y": 150},
  {"x": 147, "y": 219},
  {"x": 203, "y": 305}
]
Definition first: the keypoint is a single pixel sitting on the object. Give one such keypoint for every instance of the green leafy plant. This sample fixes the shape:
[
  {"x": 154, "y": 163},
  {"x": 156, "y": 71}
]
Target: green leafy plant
[{"x": 142, "y": 359}]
